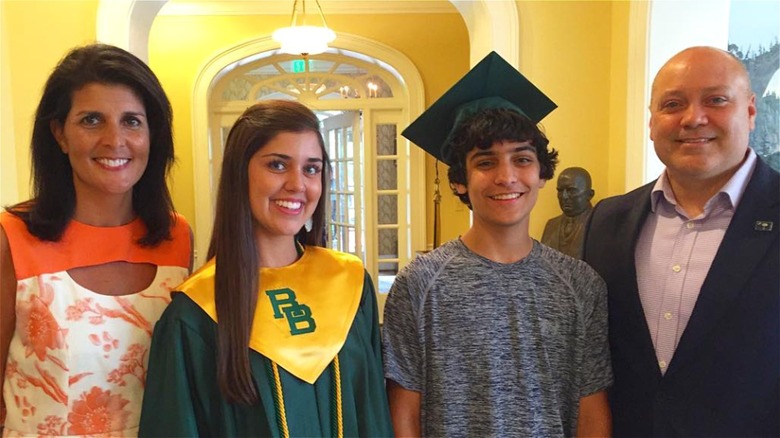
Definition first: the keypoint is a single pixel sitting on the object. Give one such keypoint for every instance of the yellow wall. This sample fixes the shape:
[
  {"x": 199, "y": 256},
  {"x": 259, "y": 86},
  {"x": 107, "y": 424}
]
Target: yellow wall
[
  {"x": 565, "y": 49},
  {"x": 9, "y": 192},
  {"x": 180, "y": 46},
  {"x": 613, "y": 183},
  {"x": 36, "y": 34},
  {"x": 576, "y": 51}
]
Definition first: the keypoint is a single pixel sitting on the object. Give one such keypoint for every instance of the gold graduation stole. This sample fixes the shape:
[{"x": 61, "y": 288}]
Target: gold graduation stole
[{"x": 304, "y": 310}]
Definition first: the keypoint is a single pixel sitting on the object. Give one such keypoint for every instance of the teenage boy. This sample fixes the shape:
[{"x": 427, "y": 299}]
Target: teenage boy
[{"x": 495, "y": 334}]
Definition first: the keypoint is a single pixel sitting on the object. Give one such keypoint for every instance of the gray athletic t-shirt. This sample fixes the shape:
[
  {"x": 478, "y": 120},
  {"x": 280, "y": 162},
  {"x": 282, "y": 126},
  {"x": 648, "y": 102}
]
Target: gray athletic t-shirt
[{"x": 497, "y": 349}]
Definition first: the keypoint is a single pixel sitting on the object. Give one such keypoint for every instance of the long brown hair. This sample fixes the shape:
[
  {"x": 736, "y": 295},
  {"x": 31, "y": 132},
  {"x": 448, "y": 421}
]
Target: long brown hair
[
  {"x": 54, "y": 196},
  {"x": 232, "y": 241}
]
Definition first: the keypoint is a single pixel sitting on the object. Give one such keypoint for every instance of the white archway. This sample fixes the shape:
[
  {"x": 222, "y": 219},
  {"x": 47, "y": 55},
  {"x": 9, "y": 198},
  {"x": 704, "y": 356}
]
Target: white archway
[
  {"x": 492, "y": 25},
  {"x": 200, "y": 139},
  {"x": 126, "y": 24}
]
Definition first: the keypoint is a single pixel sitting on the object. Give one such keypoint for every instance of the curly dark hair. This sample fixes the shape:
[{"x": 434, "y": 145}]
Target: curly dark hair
[
  {"x": 54, "y": 196},
  {"x": 487, "y": 127}
]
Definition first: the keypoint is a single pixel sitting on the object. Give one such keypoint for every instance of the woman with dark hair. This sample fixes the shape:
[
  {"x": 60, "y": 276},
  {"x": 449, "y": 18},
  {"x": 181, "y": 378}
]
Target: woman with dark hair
[
  {"x": 296, "y": 351},
  {"x": 88, "y": 263}
]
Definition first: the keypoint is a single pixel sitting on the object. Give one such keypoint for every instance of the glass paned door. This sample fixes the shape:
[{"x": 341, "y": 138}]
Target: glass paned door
[
  {"x": 345, "y": 208},
  {"x": 387, "y": 204}
]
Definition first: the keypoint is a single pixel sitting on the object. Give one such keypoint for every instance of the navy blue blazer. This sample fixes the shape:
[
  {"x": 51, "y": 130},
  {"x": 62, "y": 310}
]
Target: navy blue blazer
[{"x": 724, "y": 378}]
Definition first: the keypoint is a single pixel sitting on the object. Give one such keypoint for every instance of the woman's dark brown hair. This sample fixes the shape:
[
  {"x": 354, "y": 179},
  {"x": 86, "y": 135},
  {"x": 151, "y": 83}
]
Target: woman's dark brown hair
[
  {"x": 232, "y": 241},
  {"x": 54, "y": 195}
]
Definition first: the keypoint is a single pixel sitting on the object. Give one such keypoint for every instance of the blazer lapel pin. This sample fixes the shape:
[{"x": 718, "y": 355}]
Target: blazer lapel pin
[{"x": 763, "y": 226}]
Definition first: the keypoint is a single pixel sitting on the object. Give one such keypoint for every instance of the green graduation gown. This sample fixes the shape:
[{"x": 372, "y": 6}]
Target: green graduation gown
[{"x": 182, "y": 396}]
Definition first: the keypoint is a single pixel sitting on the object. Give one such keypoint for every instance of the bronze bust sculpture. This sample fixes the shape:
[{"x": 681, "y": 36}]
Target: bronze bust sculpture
[{"x": 565, "y": 232}]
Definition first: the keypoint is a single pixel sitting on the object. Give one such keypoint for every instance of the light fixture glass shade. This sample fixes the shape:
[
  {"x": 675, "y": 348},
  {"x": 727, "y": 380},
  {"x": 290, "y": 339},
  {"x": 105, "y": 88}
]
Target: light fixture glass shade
[{"x": 304, "y": 40}]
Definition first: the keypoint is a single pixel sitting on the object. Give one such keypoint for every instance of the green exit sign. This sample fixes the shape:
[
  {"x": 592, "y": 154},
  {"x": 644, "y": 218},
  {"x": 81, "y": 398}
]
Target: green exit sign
[{"x": 299, "y": 66}]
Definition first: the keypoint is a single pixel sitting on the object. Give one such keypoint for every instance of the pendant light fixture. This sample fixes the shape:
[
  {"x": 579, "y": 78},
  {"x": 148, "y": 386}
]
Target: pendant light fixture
[{"x": 302, "y": 39}]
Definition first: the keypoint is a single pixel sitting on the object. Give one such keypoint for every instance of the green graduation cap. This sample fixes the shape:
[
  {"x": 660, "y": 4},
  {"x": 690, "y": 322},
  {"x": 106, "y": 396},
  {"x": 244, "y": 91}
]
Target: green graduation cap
[{"x": 492, "y": 83}]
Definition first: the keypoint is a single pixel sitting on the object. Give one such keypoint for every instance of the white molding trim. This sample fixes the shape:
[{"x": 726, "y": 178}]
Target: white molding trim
[
  {"x": 113, "y": 22},
  {"x": 126, "y": 24},
  {"x": 492, "y": 25},
  {"x": 638, "y": 98},
  {"x": 200, "y": 112}
]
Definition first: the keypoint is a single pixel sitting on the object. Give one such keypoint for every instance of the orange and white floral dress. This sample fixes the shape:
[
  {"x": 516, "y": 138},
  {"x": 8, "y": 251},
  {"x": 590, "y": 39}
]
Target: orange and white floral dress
[{"x": 77, "y": 361}]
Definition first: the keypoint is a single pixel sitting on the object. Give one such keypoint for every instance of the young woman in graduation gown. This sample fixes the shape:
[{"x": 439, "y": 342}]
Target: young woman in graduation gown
[{"x": 274, "y": 335}]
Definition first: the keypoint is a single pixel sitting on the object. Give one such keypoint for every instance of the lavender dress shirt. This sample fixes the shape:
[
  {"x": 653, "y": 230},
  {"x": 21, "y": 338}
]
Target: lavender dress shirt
[{"x": 674, "y": 253}]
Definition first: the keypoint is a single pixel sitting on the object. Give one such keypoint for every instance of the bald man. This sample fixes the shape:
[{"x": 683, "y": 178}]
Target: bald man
[
  {"x": 691, "y": 262},
  {"x": 566, "y": 232}
]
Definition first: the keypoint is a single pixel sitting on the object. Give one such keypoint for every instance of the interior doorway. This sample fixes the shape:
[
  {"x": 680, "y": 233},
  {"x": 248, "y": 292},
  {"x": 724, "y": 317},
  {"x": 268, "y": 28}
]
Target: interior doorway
[{"x": 361, "y": 103}]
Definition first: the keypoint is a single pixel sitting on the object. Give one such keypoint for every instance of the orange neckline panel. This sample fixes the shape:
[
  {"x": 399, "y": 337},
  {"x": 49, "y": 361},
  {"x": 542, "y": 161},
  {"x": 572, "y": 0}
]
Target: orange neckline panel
[{"x": 86, "y": 245}]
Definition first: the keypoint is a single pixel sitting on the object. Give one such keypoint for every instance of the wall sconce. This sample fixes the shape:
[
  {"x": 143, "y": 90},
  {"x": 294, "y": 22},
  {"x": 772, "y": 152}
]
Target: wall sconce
[
  {"x": 348, "y": 93},
  {"x": 372, "y": 89}
]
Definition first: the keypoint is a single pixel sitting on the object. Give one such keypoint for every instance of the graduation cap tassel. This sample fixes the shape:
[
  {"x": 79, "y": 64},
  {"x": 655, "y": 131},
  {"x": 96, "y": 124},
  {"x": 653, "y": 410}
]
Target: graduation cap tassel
[{"x": 436, "y": 209}]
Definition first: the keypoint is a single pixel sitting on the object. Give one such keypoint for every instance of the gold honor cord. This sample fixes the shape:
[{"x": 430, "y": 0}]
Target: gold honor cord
[
  {"x": 336, "y": 410},
  {"x": 281, "y": 415},
  {"x": 339, "y": 420}
]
